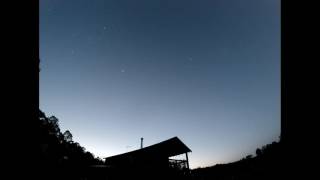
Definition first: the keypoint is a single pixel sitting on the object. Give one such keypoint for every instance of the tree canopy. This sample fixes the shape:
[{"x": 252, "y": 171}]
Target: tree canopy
[{"x": 58, "y": 149}]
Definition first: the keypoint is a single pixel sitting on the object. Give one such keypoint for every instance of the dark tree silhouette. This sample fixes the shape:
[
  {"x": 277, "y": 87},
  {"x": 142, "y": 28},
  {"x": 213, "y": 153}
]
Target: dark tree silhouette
[
  {"x": 59, "y": 153},
  {"x": 67, "y": 136},
  {"x": 258, "y": 152},
  {"x": 267, "y": 164}
]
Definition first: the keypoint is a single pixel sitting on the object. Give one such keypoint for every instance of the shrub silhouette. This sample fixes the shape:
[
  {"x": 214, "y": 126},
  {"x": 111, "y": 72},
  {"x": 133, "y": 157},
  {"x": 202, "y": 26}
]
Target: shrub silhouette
[{"x": 265, "y": 165}]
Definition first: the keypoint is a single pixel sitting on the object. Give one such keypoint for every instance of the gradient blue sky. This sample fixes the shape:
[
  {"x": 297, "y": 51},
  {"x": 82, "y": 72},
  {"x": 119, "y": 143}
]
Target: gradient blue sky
[{"x": 207, "y": 71}]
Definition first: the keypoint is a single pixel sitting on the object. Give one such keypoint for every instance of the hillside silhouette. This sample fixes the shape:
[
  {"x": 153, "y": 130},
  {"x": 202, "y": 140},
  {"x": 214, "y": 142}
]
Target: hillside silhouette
[{"x": 267, "y": 164}]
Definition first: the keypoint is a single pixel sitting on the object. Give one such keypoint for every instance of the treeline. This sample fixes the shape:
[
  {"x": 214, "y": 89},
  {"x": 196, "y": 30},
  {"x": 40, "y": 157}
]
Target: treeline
[
  {"x": 58, "y": 152},
  {"x": 266, "y": 164}
]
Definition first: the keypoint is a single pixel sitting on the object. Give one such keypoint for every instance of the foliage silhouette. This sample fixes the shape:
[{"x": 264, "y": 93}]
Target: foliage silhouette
[
  {"x": 58, "y": 153},
  {"x": 67, "y": 136},
  {"x": 267, "y": 164}
]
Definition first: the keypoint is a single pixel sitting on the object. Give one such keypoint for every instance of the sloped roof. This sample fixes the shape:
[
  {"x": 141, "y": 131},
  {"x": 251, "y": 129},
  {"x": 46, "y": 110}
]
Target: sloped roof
[{"x": 167, "y": 148}]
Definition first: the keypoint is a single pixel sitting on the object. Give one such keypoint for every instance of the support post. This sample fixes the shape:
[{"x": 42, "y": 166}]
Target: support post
[{"x": 187, "y": 161}]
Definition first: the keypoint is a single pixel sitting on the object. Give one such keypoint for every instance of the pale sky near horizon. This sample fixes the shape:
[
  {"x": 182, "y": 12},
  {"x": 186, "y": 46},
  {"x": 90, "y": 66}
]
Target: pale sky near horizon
[{"x": 206, "y": 71}]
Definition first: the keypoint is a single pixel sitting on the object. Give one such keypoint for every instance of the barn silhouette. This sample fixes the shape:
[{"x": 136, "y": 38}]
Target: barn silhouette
[{"x": 151, "y": 161}]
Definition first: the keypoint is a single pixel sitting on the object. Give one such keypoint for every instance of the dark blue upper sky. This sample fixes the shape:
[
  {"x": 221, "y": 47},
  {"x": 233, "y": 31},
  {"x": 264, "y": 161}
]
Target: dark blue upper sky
[{"x": 207, "y": 71}]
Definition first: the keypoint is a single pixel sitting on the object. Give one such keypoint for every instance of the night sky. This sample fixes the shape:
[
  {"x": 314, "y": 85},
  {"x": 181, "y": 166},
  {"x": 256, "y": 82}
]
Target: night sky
[{"x": 207, "y": 71}]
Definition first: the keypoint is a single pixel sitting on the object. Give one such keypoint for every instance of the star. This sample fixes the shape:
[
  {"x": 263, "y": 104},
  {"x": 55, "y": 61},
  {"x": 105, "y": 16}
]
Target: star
[{"x": 123, "y": 70}]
